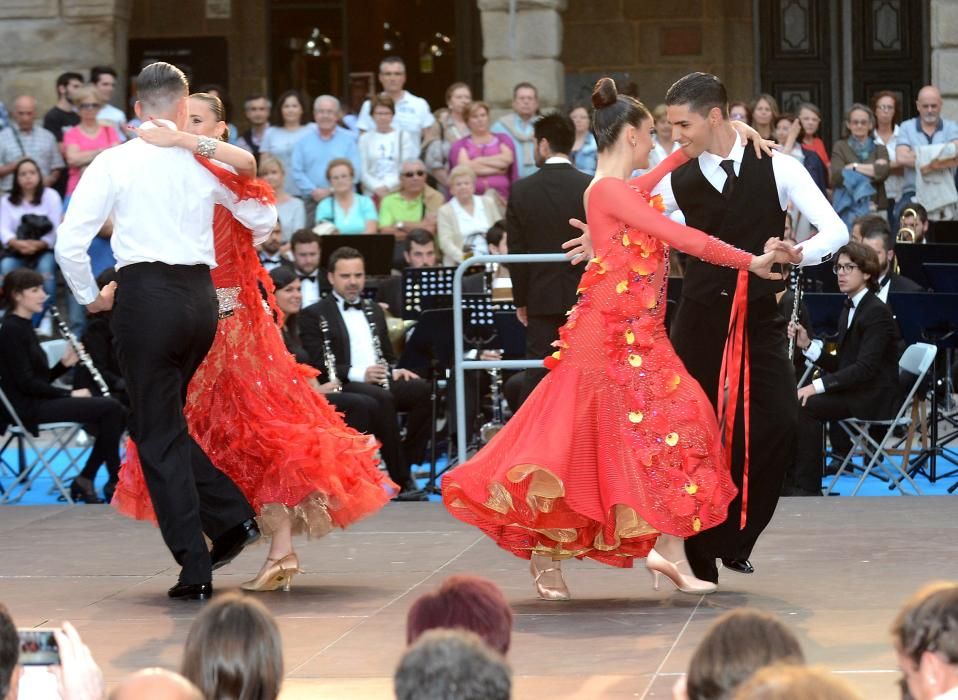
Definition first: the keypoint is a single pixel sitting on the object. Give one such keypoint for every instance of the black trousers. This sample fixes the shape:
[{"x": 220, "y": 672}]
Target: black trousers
[
  {"x": 805, "y": 472},
  {"x": 411, "y": 396},
  {"x": 359, "y": 411},
  {"x": 698, "y": 334},
  {"x": 164, "y": 322},
  {"x": 105, "y": 419},
  {"x": 542, "y": 331}
]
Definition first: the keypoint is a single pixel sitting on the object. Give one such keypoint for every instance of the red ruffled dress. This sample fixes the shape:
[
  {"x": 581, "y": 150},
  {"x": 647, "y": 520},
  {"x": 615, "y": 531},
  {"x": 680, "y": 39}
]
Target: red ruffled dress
[
  {"x": 251, "y": 408},
  {"x": 618, "y": 443}
]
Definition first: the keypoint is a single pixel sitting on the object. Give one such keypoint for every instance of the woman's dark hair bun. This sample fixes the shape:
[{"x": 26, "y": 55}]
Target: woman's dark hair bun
[{"x": 604, "y": 93}]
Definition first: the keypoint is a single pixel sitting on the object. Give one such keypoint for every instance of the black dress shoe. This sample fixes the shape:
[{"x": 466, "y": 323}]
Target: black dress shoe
[
  {"x": 227, "y": 546},
  {"x": 739, "y": 566},
  {"x": 191, "y": 591},
  {"x": 410, "y": 495}
]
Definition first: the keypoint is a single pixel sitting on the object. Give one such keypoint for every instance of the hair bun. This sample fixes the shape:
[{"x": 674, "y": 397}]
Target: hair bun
[{"x": 604, "y": 93}]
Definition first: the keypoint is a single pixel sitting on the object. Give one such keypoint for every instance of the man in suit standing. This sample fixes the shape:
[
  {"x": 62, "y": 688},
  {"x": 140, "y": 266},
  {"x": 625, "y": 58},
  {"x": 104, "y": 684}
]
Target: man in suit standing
[
  {"x": 537, "y": 220},
  {"x": 860, "y": 381},
  {"x": 363, "y": 368},
  {"x": 879, "y": 239}
]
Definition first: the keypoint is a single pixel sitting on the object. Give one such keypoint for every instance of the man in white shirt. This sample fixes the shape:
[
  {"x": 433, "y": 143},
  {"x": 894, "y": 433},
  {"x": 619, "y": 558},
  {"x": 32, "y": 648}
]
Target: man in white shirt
[
  {"x": 104, "y": 80},
  {"x": 161, "y": 201},
  {"x": 412, "y": 113},
  {"x": 925, "y": 634}
]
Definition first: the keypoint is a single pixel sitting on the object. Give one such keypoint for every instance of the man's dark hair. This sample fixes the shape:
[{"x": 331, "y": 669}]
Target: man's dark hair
[
  {"x": 304, "y": 236},
  {"x": 558, "y": 130},
  {"x": 496, "y": 233},
  {"x": 257, "y": 96},
  {"x": 392, "y": 59},
  {"x": 929, "y": 622},
  {"x": 457, "y": 664},
  {"x": 878, "y": 229},
  {"x": 918, "y": 209},
  {"x": 9, "y": 650},
  {"x": 64, "y": 79},
  {"x": 865, "y": 258},
  {"x": 159, "y": 85},
  {"x": 524, "y": 84},
  {"x": 97, "y": 71},
  {"x": 419, "y": 236},
  {"x": 344, "y": 253},
  {"x": 702, "y": 92}
]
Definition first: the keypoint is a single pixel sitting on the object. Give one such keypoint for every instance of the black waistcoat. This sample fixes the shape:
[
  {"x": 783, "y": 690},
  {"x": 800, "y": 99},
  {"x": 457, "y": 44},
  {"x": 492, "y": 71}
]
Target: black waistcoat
[{"x": 746, "y": 220}]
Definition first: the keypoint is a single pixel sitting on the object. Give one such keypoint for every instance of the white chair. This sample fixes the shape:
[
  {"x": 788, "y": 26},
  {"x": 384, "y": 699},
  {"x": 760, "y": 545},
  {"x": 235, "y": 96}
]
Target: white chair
[{"x": 915, "y": 362}]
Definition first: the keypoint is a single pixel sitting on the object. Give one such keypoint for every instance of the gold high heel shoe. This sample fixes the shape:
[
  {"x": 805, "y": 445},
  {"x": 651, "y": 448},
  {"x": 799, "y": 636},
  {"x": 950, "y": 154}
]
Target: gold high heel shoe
[
  {"x": 559, "y": 592},
  {"x": 659, "y": 565},
  {"x": 279, "y": 574}
]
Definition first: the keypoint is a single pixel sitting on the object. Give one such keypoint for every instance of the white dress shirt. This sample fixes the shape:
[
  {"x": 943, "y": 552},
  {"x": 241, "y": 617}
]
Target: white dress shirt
[
  {"x": 814, "y": 349},
  {"x": 949, "y": 695},
  {"x": 161, "y": 201},
  {"x": 361, "y": 353},
  {"x": 793, "y": 183},
  {"x": 309, "y": 288}
]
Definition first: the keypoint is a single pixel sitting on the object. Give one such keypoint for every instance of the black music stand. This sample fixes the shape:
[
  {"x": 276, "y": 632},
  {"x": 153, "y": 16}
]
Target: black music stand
[
  {"x": 943, "y": 276},
  {"x": 913, "y": 256},
  {"x": 825, "y": 310},
  {"x": 425, "y": 288},
  {"x": 377, "y": 249},
  {"x": 933, "y": 318}
]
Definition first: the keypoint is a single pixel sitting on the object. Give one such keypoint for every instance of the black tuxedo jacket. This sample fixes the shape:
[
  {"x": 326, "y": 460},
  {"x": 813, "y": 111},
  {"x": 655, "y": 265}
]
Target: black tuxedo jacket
[
  {"x": 537, "y": 220},
  {"x": 897, "y": 283},
  {"x": 865, "y": 370},
  {"x": 312, "y": 335}
]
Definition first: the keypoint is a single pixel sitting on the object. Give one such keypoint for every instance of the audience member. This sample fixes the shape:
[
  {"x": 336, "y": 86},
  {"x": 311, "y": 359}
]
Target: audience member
[
  {"x": 925, "y": 635},
  {"x": 789, "y": 135},
  {"x": 25, "y": 139},
  {"x": 446, "y": 664},
  {"x": 383, "y": 148},
  {"x": 279, "y": 141},
  {"x": 88, "y": 139},
  {"x": 887, "y": 109},
  {"x": 537, "y": 219},
  {"x": 662, "y": 143},
  {"x": 4, "y": 117},
  {"x": 584, "y": 150},
  {"x": 785, "y": 682},
  {"x": 517, "y": 125},
  {"x": 860, "y": 381},
  {"x": 103, "y": 78},
  {"x": 256, "y": 108},
  {"x": 810, "y": 117},
  {"x": 859, "y": 167},
  {"x": 412, "y": 113},
  {"x": 313, "y": 153},
  {"x": 348, "y": 211},
  {"x": 271, "y": 250},
  {"x": 290, "y": 210},
  {"x": 879, "y": 239},
  {"x": 62, "y": 116},
  {"x": 305, "y": 247},
  {"x": 927, "y": 143},
  {"x": 155, "y": 684},
  {"x": 364, "y": 364},
  {"x": 463, "y": 602},
  {"x": 739, "y": 112},
  {"x": 419, "y": 250},
  {"x": 737, "y": 645},
  {"x": 415, "y": 205},
  {"x": 464, "y": 219},
  {"x": 233, "y": 651},
  {"x": 764, "y": 109},
  {"x": 913, "y": 225},
  {"x": 491, "y": 156},
  {"x": 451, "y": 126},
  {"x": 214, "y": 90},
  {"x": 10, "y": 669}
]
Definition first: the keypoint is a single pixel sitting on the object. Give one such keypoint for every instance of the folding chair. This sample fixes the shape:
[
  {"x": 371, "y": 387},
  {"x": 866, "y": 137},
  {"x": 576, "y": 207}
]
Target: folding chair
[
  {"x": 61, "y": 435},
  {"x": 915, "y": 362}
]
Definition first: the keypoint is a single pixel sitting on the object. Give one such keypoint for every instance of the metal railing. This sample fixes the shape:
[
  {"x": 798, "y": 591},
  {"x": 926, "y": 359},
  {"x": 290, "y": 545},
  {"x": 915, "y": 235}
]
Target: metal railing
[{"x": 461, "y": 364}]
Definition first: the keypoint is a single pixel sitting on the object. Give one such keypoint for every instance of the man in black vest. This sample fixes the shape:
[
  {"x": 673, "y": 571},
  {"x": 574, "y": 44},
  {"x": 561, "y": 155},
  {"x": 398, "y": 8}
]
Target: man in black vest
[
  {"x": 729, "y": 193},
  {"x": 537, "y": 220}
]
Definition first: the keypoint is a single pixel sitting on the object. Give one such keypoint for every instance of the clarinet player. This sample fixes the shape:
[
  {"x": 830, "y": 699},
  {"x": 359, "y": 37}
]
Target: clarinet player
[{"x": 27, "y": 380}]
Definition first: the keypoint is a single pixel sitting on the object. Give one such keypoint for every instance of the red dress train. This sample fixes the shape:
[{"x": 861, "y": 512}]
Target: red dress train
[
  {"x": 251, "y": 408},
  {"x": 618, "y": 443}
]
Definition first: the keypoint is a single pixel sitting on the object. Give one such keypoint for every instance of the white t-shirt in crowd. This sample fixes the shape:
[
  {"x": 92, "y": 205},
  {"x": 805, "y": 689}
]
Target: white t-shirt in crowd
[{"x": 412, "y": 116}]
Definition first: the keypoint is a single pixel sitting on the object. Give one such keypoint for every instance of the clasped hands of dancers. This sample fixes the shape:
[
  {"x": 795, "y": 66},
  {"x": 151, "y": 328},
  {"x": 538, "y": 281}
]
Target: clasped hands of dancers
[{"x": 617, "y": 454}]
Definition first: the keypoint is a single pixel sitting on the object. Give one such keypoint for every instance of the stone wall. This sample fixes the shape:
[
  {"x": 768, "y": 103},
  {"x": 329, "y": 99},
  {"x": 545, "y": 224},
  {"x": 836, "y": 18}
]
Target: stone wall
[
  {"x": 656, "y": 42},
  {"x": 944, "y": 53},
  {"x": 40, "y": 39}
]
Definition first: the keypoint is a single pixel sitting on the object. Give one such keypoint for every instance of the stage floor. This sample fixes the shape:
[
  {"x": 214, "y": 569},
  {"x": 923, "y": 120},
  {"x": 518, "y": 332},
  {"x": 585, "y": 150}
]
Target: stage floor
[{"x": 834, "y": 569}]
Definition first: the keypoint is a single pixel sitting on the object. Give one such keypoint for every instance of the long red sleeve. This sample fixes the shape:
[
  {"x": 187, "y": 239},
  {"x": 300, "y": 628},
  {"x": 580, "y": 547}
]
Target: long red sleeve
[
  {"x": 611, "y": 198},
  {"x": 650, "y": 179}
]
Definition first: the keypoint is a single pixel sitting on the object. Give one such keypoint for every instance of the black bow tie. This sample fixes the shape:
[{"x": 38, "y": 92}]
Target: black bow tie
[
  {"x": 304, "y": 278},
  {"x": 358, "y": 305},
  {"x": 885, "y": 280},
  {"x": 849, "y": 304}
]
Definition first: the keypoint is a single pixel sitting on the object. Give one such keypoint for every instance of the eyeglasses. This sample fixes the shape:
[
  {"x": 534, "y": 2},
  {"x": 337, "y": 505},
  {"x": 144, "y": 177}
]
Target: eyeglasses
[
  {"x": 414, "y": 173},
  {"x": 840, "y": 268},
  {"x": 88, "y": 105},
  {"x": 885, "y": 108}
]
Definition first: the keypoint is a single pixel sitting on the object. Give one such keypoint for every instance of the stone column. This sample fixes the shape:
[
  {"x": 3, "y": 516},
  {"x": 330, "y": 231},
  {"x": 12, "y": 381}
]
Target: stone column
[
  {"x": 523, "y": 48},
  {"x": 944, "y": 53}
]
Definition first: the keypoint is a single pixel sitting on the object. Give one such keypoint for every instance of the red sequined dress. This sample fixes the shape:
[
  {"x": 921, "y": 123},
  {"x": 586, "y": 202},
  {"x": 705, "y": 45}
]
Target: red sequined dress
[
  {"x": 251, "y": 408},
  {"x": 618, "y": 443}
]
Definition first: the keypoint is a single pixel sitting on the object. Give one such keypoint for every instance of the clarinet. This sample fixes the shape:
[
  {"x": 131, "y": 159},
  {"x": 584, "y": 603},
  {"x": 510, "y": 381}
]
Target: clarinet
[
  {"x": 797, "y": 275},
  {"x": 329, "y": 359},
  {"x": 80, "y": 351},
  {"x": 378, "y": 349}
]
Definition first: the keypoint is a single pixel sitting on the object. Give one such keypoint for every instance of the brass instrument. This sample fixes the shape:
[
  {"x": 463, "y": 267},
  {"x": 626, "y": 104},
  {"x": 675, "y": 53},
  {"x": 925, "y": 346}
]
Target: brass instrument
[
  {"x": 329, "y": 359},
  {"x": 490, "y": 429},
  {"x": 81, "y": 352},
  {"x": 797, "y": 276},
  {"x": 377, "y": 345},
  {"x": 910, "y": 234}
]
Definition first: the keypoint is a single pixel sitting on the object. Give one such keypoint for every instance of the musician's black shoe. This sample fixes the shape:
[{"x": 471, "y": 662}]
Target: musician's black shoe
[
  {"x": 739, "y": 566},
  {"x": 191, "y": 591},
  {"x": 227, "y": 546}
]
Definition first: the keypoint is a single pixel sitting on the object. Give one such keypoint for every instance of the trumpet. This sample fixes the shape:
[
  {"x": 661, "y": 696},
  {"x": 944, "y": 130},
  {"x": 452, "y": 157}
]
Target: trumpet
[
  {"x": 329, "y": 359},
  {"x": 81, "y": 352},
  {"x": 377, "y": 346}
]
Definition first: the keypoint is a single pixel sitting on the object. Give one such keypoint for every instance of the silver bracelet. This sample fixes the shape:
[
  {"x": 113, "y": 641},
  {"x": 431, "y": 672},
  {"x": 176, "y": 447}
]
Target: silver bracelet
[{"x": 205, "y": 146}]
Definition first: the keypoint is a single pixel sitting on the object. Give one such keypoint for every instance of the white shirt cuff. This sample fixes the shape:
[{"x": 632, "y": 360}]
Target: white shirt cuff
[
  {"x": 819, "y": 386},
  {"x": 357, "y": 374},
  {"x": 814, "y": 350}
]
